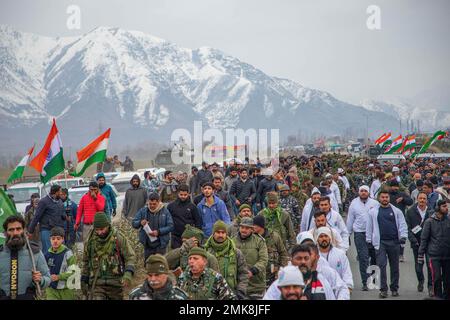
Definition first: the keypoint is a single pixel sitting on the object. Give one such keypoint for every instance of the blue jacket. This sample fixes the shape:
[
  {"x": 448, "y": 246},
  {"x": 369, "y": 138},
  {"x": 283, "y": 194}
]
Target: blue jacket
[
  {"x": 25, "y": 267},
  {"x": 164, "y": 221},
  {"x": 218, "y": 211},
  {"x": 49, "y": 213},
  {"x": 110, "y": 197}
]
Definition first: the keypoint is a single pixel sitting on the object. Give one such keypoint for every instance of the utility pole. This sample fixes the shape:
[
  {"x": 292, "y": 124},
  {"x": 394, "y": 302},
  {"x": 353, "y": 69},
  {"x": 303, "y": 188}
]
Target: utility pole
[{"x": 367, "y": 129}]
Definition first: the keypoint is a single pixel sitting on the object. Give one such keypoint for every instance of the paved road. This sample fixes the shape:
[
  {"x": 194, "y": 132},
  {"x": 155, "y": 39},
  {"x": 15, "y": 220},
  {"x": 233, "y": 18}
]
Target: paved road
[{"x": 408, "y": 280}]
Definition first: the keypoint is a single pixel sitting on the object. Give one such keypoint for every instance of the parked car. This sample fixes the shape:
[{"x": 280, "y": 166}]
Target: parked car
[{"x": 22, "y": 192}]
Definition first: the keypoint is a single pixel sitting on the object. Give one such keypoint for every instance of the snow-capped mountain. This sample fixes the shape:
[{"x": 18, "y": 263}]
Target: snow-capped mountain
[
  {"x": 145, "y": 87},
  {"x": 431, "y": 118}
]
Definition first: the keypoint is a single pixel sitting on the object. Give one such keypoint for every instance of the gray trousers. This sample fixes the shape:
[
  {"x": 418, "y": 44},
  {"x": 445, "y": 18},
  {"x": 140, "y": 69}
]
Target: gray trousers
[
  {"x": 389, "y": 251},
  {"x": 363, "y": 254}
]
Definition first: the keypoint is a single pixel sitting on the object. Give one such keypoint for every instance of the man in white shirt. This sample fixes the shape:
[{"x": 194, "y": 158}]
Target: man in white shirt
[
  {"x": 358, "y": 214},
  {"x": 334, "y": 188},
  {"x": 335, "y": 257},
  {"x": 334, "y": 220}
]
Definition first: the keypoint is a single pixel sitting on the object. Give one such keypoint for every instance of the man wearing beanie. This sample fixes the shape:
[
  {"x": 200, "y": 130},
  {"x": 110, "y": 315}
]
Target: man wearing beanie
[
  {"x": 155, "y": 216},
  {"x": 278, "y": 220},
  {"x": 244, "y": 211},
  {"x": 201, "y": 282},
  {"x": 277, "y": 253},
  {"x": 254, "y": 248},
  {"x": 178, "y": 258},
  {"x": 59, "y": 259},
  {"x": 231, "y": 260},
  {"x": 108, "y": 262},
  {"x": 158, "y": 285}
]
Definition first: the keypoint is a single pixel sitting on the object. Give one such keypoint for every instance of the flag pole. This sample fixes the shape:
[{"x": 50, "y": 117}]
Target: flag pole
[{"x": 33, "y": 264}]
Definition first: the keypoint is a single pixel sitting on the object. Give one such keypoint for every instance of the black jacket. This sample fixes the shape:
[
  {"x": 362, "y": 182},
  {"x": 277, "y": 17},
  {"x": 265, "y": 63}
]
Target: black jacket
[
  {"x": 49, "y": 213},
  {"x": 407, "y": 200},
  {"x": 263, "y": 187},
  {"x": 435, "y": 238},
  {"x": 184, "y": 213},
  {"x": 245, "y": 192},
  {"x": 414, "y": 219}
]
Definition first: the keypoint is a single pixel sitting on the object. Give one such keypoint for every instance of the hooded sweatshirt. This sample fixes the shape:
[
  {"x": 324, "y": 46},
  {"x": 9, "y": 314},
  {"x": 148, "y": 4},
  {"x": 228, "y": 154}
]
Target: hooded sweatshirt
[{"x": 135, "y": 199}]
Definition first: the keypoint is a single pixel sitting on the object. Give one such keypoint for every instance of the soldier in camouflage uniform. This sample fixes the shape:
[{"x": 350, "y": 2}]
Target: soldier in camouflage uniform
[
  {"x": 108, "y": 262},
  {"x": 290, "y": 205},
  {"x": 177, "y": 259},
  {"x": 244, "y": 211},
  {"x": 300, "y": 196},
  {"x": 278, "y": 220},
  {"x": 201, "y": 282},
  {"x": 254, "y": 248},
  {"x": 158, "y": 285},
  {"x": 278, "y": 255},
  {"x": 231, "y": 260}
]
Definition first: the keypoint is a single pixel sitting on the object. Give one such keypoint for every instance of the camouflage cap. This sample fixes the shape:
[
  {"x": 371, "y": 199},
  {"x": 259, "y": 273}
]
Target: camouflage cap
[
  {"x": 191, "y": 231},
  {"x": 284, "y": 187},
  {"x": 246, "y": 221},
  {"x": 157, "y": 263}
]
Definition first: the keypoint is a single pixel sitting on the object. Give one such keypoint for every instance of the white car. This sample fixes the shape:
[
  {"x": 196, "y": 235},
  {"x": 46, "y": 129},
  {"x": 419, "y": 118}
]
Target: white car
[
  {"x": 68, "y": 183},
  {"x": 392, "y": 158},
  {"x": 157, "y": 172},
  {"x": 108, "y": 176},
  {"x": 22, "y": 192},
  {"x": 122, "y": 181}
]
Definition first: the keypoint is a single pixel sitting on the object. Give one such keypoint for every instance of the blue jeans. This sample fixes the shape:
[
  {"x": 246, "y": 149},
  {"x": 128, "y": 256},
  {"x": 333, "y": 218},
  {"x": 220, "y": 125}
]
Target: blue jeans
[
  {"x": 45, "y": 240},
  {"x": 363, "y": 254}
]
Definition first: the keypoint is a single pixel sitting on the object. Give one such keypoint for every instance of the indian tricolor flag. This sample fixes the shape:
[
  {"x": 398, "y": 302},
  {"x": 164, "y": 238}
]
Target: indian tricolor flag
[
  {"x": 50, "y": 160},
  {"x": 94, "y": 152},
  {"x": 409, "y": 145},
  {"x": 18, "y": 171},
  {"x": 385, "y": 138},
  {"x": 438, "y": 135},
  {"x": 395, "y": 146}
]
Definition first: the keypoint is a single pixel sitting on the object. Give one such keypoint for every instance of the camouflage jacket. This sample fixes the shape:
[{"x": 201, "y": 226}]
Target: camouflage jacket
[
  {"x": 301, "y": 198},
  {"x": 179, "y": 258},
  {"x": 169, "y": 292},
  {"x": 209, "y": 286},
  {"x": 290, "y": 205},
  {"x": 107, "y": 259},
  {"x": 278, "y": 255}
]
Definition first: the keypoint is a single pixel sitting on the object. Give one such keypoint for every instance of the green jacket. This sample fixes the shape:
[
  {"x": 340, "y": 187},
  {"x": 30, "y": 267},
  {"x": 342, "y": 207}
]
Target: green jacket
[
  {"x": 179, "y": 258},
  {"x": 278, "y": 255},
  {"x": 168, "y": 292},
  {"x": 282, "y": 224},
  {"x": 254, "y": 249},
  {"x": 209, "y": 286},
  {"x": 108, "y": 259}
]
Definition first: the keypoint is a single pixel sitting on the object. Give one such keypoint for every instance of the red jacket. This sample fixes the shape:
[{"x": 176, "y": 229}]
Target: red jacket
[{"x": 88, "y": 207}]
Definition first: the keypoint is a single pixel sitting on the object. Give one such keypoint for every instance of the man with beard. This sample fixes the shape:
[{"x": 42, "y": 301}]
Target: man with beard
[
  {"x": 17, "y": 278},
  {"x": 231, "y": 260},
  {"x": 183, "y": 213},
  {"x": 108, "y": 192},
  {"x": 49, "y": 213},
  {"x": 268, "y": 184},
  {"x": 444, "y": 191},
  {"x": 311, "y": 207},
  {"x": 157, "y": 286},
  {"x": 335, "y": 257},
  {"x": 135, "y": 198},
  {"x": 108, "y": 262},
  {"x": 435, "y": 242},
  {"x": 278, "y": 220},
  {"x": 244, "y": 211},
  {"x": 178, "y": 258},
  {"x": 317, "y": 286},
  {"x": 358, "y": 213},
  {"x": 254, "y": 249},
  {"x": 291, "y": 284},
  {"x": 156, "y": 217},
  {"x": 168, "y": 188},
  {"x": 386, "y": 230},
  {"x": 243, "y": 190},
  {"x": 201, "y": 282},
  {"x": 230, "y": 179}
]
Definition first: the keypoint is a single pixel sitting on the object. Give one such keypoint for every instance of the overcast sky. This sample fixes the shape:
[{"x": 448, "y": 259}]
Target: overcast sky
[{"x": 321, "y": 44}]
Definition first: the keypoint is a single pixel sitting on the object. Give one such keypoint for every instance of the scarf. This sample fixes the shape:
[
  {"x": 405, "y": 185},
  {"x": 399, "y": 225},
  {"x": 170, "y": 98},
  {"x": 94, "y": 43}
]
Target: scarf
[{"x": 225, "y": 253}]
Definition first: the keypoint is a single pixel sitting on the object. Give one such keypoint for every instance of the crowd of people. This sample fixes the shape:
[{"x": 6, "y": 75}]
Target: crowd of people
[{"x": 241, "y": 231}]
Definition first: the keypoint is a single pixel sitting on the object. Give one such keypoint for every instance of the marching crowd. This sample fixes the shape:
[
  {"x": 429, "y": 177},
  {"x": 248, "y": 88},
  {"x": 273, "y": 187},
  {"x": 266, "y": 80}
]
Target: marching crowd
[{"x": 241, "y": 231}]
